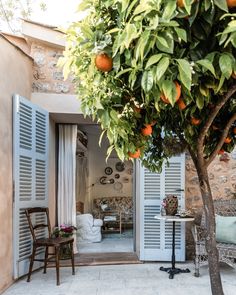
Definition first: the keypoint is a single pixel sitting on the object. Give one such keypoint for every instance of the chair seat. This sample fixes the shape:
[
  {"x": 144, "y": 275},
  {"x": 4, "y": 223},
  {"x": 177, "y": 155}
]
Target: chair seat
[{"x": 54, "y": 241}]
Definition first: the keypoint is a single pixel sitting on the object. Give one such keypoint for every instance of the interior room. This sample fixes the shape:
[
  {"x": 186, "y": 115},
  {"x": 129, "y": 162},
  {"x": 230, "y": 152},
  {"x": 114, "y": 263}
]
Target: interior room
[{"x": 104, "y": 190}]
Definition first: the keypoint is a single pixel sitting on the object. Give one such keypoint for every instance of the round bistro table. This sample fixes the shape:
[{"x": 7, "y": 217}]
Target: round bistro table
[{"x": 173, "y": 270}]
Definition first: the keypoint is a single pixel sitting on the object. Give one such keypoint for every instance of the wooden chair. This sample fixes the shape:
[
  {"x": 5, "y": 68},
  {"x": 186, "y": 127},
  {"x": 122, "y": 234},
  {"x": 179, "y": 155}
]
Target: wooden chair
[{"x": 56, "y": 243}]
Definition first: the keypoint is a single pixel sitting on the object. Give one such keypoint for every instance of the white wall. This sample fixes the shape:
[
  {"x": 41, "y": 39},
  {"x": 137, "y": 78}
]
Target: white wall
[{"x": 96, "y": 166}]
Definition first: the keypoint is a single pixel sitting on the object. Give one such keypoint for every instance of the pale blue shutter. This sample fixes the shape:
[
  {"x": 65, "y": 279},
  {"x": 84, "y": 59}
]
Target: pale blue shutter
[
  {"x": 30, "y": 169},
  {"x": 156, "y": 235}
]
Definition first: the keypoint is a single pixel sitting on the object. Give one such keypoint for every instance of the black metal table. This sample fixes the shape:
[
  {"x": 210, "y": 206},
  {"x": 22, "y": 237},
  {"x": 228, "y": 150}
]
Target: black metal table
[{"x": 173, "y": 270}]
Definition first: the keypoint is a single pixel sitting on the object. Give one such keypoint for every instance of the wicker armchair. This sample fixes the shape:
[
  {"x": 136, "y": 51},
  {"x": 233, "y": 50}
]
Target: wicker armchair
[{"x": 227, "y": 252}]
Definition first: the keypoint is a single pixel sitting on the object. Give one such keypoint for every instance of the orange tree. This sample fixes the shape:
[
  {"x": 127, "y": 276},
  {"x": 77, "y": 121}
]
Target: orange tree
[{"x": 159, "y": 76}]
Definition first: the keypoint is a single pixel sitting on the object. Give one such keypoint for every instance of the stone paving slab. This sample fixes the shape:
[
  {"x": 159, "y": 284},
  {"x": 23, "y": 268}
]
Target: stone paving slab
[{"x": 138, "y": 279}]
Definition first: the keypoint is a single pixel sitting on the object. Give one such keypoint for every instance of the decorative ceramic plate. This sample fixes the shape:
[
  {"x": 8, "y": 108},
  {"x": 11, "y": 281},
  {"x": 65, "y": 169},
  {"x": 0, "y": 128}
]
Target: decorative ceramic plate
[
  {"x": 108, "y": 170},
  {"x": 118, "y": 186},
  {"x": 120, "y": 166},
  {"x": 103, "y": 180},
  {"x": 130, "y": 171}
]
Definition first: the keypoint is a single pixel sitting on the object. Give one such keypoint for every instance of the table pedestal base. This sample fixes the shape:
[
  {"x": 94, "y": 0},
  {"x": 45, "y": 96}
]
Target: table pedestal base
[{"x": 173, "y": 271}]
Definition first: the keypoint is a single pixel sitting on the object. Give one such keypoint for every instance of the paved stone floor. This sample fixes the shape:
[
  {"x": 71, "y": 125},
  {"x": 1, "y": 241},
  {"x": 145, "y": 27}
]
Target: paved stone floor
[{"x": 139, "y": 279}]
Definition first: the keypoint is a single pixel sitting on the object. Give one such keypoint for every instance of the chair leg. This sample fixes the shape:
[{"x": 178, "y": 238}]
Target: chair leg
[
  {"x": 45, "y": 260},
  {"x": 31, "y": 263},
  {"x": 57, "y": 264},
  {"x": 197, "y": 266},
  {"x": 72, "y": 258}
]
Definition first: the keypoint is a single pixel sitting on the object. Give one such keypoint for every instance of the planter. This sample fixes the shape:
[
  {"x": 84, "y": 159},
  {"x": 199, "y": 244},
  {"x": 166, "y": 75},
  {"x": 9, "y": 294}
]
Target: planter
[
  {"x": 171, "y": 205},
  {"x": 65, "y": 252}
]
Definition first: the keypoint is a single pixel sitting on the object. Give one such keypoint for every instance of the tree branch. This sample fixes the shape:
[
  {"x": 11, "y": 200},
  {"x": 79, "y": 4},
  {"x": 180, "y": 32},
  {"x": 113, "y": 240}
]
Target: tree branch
[
  {"x": 221, "y": 141},
  {"x": 181, "y": 137},
  {"x": 211, "y": 118}
]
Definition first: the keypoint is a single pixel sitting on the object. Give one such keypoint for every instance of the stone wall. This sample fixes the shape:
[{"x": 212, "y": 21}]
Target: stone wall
[
  {"x": 47, "y": 77},
  {"x": 222, "y": 175}
]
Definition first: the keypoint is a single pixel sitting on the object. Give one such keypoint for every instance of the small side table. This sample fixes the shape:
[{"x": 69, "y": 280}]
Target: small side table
[
  {"x": 117, "y": 220},
  {"x": 173, "y": 270}
]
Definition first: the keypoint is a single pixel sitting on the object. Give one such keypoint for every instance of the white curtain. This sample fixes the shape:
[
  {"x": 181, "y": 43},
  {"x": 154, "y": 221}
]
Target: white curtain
[{"x": 66, "y": 176}]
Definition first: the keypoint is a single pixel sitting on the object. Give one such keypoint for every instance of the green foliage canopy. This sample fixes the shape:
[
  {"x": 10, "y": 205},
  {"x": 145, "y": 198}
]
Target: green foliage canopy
[{"x": 153, "y": 44}]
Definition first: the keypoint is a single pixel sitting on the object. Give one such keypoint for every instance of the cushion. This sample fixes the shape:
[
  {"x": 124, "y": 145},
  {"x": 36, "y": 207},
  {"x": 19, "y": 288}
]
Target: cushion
[{"x": 226, "y": 229}]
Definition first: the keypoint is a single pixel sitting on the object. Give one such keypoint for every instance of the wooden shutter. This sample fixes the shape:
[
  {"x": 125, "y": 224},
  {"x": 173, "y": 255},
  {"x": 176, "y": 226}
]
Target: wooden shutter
[
  {"x": 156, "y": 235},
  {"x": 30, "y": 169}
]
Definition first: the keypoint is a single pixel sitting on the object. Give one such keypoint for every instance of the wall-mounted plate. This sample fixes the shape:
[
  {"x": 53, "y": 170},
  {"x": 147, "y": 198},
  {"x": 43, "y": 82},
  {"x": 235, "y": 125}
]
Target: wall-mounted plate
[
  {"x": 118, "y": 186},
  {"x": 108, "y": 170},
  {"x": 120, "y": 166}
]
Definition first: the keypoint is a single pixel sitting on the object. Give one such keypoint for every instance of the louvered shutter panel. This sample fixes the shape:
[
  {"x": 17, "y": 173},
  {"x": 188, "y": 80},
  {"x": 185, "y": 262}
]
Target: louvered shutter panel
[
  {"x": 156, "y": 235},
  {"x": 30, "y": 169}
]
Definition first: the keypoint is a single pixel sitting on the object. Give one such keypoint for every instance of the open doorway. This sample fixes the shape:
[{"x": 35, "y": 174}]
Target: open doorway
[{"x": 104, "y": 196}]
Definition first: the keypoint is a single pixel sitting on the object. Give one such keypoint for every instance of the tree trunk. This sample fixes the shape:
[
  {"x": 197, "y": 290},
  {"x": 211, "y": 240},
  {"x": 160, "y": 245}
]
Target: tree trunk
[{"x": 213, "y": 256}]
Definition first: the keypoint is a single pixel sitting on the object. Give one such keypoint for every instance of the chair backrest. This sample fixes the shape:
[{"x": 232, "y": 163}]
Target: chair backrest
[
  {"x": 35, "y": 227},
  {"x": 223, "y": 208}
]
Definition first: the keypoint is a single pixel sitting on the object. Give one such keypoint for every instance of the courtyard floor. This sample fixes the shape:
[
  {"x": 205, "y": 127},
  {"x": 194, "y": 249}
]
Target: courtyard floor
[{"x": 138, "y": 279}]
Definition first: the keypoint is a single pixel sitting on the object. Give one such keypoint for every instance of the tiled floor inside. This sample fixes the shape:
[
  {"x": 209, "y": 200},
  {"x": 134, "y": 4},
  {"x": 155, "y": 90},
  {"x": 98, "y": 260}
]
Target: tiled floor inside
[
  {"x": 138, "y": 279},
  {"x": 112, "y": 242}
]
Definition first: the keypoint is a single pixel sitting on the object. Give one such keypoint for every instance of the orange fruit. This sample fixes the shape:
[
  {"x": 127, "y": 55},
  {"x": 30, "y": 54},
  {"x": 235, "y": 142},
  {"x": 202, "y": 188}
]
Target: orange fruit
[
  {"x": 103, "y": 62},
  {"x": 231, "y": 3},
  {"x": 234, "y": 130},
  {"x": 147, "y": 130},
  {"x": 180, "y": 3},
  {"x": 181, "y": 104},
  {"x": 195, "y": 121},
  {"x": 135, "y": 155},
  {"x": 221, "y": 152},
  {"x": 178, "y": 93},
  {"x": 228, "y": 140}
]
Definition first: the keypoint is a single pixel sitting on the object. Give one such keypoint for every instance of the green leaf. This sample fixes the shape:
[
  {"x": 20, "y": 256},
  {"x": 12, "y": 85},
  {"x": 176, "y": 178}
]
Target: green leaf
[
  {"x": 181, "y": 34},
  {"x": 130, "y": 34},
  {"x": 165, "y": 42},
  {"x": 162, "y": 41},
  {"x": 200, "y": 102},
  {"x": 169, "y": 9},
  {"x": 185, "y": 73},
  {"x": 208, "y": 65},
  {"x": 169, "y": 91},
  {"x": 141, "y": 8},
  {"x": 222, "y": 79},
  {"x": 188, "y": 5},
  {"x": 221, "y": 4},
  {"x": 147, "y": 81},
  {"x": 233, "y": 40},
  {"x": 100, "y": 138},
  {"x": 125, "y": 4},
  {"x": 114, "y": 116},
  {"x": 114, "y": 30},
  {"x": 153, "y": 59},
  {"x": 225, "y": 64},
  {"x": 123, "y": 72},
  {"x": 162, "y": 67}
]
